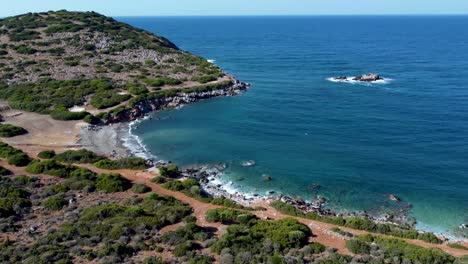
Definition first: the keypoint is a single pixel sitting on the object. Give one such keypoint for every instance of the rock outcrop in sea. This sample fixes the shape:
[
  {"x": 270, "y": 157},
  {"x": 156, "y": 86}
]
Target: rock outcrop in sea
[
  {"x": 369, "y": 77},
  {"x": 365, "y": 78}
]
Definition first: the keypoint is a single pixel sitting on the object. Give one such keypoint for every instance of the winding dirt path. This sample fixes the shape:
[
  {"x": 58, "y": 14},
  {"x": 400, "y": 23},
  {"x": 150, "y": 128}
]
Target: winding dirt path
[{"x": 321, "y": 231}]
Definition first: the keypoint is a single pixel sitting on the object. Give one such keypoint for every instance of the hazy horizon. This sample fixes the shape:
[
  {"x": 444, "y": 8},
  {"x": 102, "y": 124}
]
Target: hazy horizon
[{"x": 143, "y": 8}]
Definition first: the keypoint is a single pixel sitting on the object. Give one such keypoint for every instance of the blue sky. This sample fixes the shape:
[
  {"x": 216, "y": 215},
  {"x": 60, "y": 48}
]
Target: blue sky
[{"x": 239, "y": 7}]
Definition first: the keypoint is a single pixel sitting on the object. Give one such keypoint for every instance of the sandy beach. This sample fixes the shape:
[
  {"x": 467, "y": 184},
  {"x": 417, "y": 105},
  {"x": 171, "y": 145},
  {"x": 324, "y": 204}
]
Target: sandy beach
[
  {"x": 104, "y": 140},
  {"x": 47, "y": 133}
]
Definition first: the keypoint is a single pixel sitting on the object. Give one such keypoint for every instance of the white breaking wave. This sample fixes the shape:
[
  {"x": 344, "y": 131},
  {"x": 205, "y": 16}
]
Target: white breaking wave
[
  {"x": 134, "y": 143},
  {"x": 352, "y": 81},
  {"x": 211, "y": 61},
  {"x": 248, "y": 163}
]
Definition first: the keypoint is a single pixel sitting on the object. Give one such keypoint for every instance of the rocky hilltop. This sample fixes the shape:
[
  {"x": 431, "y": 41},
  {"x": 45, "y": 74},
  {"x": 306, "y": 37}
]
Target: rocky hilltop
[{"x": 75, "y": 65}]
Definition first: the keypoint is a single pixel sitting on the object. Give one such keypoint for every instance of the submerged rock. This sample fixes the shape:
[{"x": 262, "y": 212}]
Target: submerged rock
[
  {"x": 393, "y": 197},
  {"x": 267, "y": 178}
]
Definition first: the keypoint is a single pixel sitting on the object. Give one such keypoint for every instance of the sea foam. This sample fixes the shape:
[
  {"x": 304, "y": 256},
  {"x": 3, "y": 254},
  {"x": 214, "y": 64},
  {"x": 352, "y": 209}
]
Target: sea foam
[
  {"x": 133, "y": 143},
  {"x": 351, "y": 80}
]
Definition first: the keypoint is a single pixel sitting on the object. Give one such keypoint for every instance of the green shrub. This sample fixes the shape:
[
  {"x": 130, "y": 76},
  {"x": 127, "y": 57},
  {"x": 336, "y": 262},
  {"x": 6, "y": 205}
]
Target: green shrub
[
  {"x": 171, "y": 171},
  {"x": 225, "y": 216},
  {"x": 457, "y": 246},
  {"x": 78, "y": 156},
  {"x": 54, "y": 203},
  {"x": 136, "y": 88},
  {"x": 174, "y": 185},
  {"x": 5, "y": 172},
  {"x": 158, "y": 179},
  {"x": 24, "y": 179},
  {"x": 124, "y": 163},
  {"x": 110, "y": 222},
  {"x": 206, "y": 78},
  {"x": 75, "y": 184},
  {"x": 184, "y": 248},
  {"x": 226, "y": 203},
  {"x": 140, "y": 188},
  {"x": 64, "y": 27},
  {"x": 7, "y": 150},
  {"x": 24, "y": 35},
  {"x": 50, "y": 167},
  {"x": 154, "y": 260},
  {"x": 56, "y": 51},
  {"x": 22, "y": 49},
  {"x": 359, "y": 223},
  {"x": 46, "y": 154},
  {"x": 116, "y": 249},
  {"x": 7, "y": 130},
  {"x": 106, "y": 99},
  {"x": 341, "y": 232},
  {"x": 281, "y": 234},
  {"x": 112, "y": 183},
  {"x": 357, "y": 247},
  {"x": 316, "y": 248},
  {"x": 12, "y": 199},
  {"x": 90, "y": 119},
  {"x": 161, "y": 81},
  {"x": 63, "y": 114},
  {"x": 81, "y": 174},
  {"x": 397, "y": 248},
  {"x": 19, "y": 160},
  {"x": 59, "y": 188}
]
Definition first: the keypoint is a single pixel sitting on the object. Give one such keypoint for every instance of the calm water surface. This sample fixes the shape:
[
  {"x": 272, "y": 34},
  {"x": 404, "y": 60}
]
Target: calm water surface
[{"x": 408, "y": 137}]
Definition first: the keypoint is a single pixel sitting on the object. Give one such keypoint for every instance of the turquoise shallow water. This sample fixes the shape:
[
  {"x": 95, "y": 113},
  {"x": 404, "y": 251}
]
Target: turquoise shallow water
[{"x": 407, "y": 137}]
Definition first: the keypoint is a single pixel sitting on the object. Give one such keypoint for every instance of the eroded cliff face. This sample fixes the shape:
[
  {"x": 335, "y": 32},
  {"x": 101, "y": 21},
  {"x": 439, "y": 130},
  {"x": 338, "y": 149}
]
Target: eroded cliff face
[{"x": 145, "y": 107}]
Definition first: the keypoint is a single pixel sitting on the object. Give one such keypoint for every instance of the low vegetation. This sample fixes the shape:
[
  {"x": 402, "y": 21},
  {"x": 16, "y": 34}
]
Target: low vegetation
[
  {"x": 78, "y": 156},
  {"x": 392, "y": 249},
  {"x": 55, "y": 203},
  {"x": 360, "y": 224},
  {"x": 112, "y": 183},
  {"x": 84, "y": 156},
  {"x": 228, "y": 216},
  {"x": 73, "y": 71},
  {"x": 7, "y": 130},
  {"x": 140, "y": 188},
  {"x": 124, "y": 163},
  {"x": 4, "y": 172},
  {"x": 171, "y": 171},
  {"x": 261, "y": 241},
  {"x": 457, "y": 246},
  {"x": 13, "y": 198},
  {"x": 14, "y": 156},
  {"x": 46, "y": 154}
]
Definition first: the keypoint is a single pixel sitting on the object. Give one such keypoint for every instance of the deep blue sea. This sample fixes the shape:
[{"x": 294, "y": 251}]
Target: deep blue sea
[{"x": 408, "y": 137}]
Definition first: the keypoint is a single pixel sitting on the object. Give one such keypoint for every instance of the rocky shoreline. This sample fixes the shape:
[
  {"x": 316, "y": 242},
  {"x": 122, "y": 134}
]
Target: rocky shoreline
[
  {"x": 144, "y": 107},
  {"x": 208, "y": 178}
]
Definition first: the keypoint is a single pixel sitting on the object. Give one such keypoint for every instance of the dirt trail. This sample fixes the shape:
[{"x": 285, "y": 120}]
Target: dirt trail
[{"x": 321, "y": 231}]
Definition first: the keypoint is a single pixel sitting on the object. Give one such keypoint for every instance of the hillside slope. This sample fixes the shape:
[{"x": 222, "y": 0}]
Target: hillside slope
[{"x": 54, "y": 62}]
